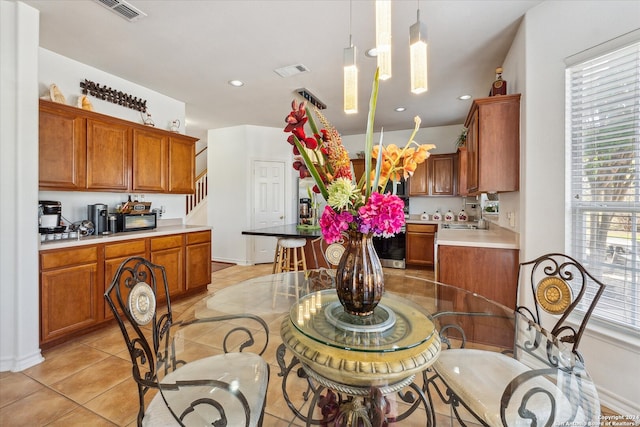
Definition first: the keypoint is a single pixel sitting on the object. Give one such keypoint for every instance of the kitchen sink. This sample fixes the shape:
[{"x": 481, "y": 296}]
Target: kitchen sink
[{"x": 459, "y": 226}]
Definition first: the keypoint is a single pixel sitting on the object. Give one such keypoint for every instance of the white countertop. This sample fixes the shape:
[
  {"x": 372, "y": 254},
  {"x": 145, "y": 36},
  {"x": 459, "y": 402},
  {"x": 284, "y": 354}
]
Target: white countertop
[
  {"x": 117, "y": 237},
  {"x": 494, "y": 237}
]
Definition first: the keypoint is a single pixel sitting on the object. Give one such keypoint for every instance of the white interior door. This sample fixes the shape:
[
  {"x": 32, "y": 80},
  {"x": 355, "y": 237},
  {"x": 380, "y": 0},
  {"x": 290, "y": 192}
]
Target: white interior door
[{"x": 268, "y": 205}]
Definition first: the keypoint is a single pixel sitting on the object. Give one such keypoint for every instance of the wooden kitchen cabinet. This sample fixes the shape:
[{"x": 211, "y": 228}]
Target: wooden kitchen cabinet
[
  {"x": 168, "y": 251},
  {"x": 435, "y": 177},
  {"x": 493, "y": 145},
  {"x": 461, "y": 171},
  {"x": 198, "y": 260},
  {"x": 182, "y": 164},
  {"x": 419, "y": 182},
  {"x": 70, "y": 292},
  {"x": 108, "y": 155},
  {"x": 62, "y": 148},
  {"x": 84, "y": 150},
  {"x": 490, "y": 272},
  {"x": 73, "y": 281},
  {"x": 114, "y": 255},
  {"x": 150, "y": 161},
  {"x": 420, "y": 244}
]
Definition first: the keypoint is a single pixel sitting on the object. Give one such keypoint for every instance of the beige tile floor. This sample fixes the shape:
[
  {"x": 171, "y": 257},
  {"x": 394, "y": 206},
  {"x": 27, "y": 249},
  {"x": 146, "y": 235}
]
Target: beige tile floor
[{"x": 87, "y": 381}]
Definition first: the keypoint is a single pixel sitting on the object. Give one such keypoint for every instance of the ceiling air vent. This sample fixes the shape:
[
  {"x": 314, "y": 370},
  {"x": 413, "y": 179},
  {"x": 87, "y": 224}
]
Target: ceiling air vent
[
  {"x": 311, "y": 99},
  {"x": 290, "y": 70},
  {"x": 122, "y": 9}
]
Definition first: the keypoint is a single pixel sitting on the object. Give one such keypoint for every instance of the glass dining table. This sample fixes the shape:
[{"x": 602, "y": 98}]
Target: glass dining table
[{"x": 332, "y": 368}]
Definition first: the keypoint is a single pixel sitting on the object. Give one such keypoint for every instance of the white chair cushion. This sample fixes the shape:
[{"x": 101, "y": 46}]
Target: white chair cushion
[
  {"x": 249, "y": 371},
  {"x": 480, "y": 377},
  {"x": 292, "y": 243}
]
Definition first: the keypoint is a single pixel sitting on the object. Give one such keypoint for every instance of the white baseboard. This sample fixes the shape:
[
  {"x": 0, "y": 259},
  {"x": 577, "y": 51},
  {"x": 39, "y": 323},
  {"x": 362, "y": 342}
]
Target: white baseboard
[{"x": 17, "y": 365}]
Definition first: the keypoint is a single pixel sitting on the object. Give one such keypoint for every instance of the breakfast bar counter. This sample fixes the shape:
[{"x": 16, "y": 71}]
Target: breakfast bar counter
[{"x": 287, "y": 230}]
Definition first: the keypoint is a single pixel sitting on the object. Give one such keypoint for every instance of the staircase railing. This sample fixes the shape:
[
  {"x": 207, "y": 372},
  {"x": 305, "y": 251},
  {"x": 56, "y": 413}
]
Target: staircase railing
[{"x": 200, "y": 194}]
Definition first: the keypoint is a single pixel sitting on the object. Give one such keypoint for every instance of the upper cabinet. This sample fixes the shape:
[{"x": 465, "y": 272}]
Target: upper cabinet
[
  {"x": 83, "y": 150},
  {"x": 493, "y": 145},
  {"x": 435, "y": 177},
  {"x": 108, "y": 155},
  {"x": 63, "y": 148}
]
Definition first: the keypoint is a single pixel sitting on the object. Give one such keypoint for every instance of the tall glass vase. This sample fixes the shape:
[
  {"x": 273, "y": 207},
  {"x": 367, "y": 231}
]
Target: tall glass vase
[{"x": 359, "y": 277}]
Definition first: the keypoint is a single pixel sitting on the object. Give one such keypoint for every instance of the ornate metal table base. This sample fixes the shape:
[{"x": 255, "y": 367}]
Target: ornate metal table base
[{"x": 350, "y": 406}]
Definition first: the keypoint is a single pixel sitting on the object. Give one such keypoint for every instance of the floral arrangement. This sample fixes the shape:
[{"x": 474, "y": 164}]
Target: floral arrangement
[{"x": 353, "y": 203}]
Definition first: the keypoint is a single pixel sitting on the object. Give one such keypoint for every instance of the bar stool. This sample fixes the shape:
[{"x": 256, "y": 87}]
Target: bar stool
[{"x": 289, "y": 257}]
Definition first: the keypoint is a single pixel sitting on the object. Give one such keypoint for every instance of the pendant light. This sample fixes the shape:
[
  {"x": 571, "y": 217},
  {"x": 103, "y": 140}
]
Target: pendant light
[
  {"x": 418, "y": 56},
  {"x": 350, "y": 75},
  {"x": 383, "y": 37}
]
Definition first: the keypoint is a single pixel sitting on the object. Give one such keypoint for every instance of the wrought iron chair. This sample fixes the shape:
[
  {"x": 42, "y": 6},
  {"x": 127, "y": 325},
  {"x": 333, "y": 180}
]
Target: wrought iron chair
[
  {"x": 221, "y": 389},
  {"x": 535, "y": 383}
]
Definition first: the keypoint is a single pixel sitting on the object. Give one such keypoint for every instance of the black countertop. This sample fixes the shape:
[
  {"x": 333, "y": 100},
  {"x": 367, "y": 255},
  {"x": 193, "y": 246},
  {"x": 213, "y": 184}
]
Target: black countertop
[{"x": 287, "y": 230}]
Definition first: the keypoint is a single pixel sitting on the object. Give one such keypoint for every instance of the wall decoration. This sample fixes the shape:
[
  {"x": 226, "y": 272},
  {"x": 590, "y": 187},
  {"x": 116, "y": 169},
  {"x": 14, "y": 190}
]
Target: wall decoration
[{"x": 111, "y": 95}]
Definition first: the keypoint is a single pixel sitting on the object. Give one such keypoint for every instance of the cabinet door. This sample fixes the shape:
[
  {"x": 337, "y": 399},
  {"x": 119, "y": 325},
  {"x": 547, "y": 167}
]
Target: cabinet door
[
  {"x": 63, "y": 149},
  {"x": 490, "y": 272},
  {"x": 462, "y": 171},
  {"x": 168, "y": 251},
  {"x": 108, "y": 155},
  {"x": 114, "y": 255},
  {"x": 419, "y": 182},
  {"x": 442, "y": 175},
  {"x": 68, "y": 300},
  {"x": 472, "y": 154},
  {"x": 198, "y": 265},
  {"x": 150, "y": 161},
  {"x": 420, "y": 244},
  {"x": 182, "y": 165},
  {"x": 171, "y": 260}
]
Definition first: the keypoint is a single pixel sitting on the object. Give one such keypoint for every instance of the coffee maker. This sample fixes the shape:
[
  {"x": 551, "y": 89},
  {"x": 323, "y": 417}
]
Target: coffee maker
[
  {"x": 98, "y": 215},
  {"x": 49, "y": 217}
]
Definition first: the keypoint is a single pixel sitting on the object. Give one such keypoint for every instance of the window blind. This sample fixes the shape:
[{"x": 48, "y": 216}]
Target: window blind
[{"x": 603, "y": 137}]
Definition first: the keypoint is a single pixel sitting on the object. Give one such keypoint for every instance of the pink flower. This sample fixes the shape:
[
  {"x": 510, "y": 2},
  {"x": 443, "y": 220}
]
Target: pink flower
[
  {"x": 333, "y": 224},
  {"x": 383, "y": 215}
]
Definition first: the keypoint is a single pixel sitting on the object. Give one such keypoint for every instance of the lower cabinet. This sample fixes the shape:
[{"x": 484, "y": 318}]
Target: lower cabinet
[
  {"x": 73, "y": 280},
  {"x": 489, "y": 272},
  {"x": 168, "y": 251},
  {"x": 70, "y": 288},
  {"x": 114, "y": 255},
  {"x": 420, "y": 244},
  {"x": 198, "y": 260}
]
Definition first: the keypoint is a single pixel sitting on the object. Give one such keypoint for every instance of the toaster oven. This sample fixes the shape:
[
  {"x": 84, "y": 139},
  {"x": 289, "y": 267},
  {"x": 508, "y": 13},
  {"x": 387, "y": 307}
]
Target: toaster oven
[{"x": 136, "y": 221}]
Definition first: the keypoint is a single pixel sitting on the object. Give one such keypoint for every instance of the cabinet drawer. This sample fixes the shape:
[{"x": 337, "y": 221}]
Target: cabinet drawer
[
  {"x": 132, "y": 247},
  {"x": 422, "y": 228},
  {"x": 158, "y": 243},
  {"x": 198, "y": 237},
  {"x": 67, "y": 257}
]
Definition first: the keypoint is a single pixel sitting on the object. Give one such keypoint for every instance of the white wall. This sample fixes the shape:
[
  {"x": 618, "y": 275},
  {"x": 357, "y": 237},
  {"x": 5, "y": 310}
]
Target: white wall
[
  {"x": 67, "y": 74},
  {"x": 551, "y": 32},
  {"x": 19, "y": 295},
  {"x": 231, "y": 153}
]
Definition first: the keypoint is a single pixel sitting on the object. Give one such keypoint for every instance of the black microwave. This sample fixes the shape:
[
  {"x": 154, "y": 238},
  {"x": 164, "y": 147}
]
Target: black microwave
[{"x": 136, "y": 221}]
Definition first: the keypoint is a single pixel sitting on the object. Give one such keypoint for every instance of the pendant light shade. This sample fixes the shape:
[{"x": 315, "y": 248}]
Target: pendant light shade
[
  {"x": 383, "y": 37},
  {"x": 350, "y": 81},
  {"x": 418, "y": 56}
]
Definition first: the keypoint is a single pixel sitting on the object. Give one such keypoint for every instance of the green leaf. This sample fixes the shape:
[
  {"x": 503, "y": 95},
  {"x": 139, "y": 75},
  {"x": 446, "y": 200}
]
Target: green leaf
[{"x": 373, "y": 101}]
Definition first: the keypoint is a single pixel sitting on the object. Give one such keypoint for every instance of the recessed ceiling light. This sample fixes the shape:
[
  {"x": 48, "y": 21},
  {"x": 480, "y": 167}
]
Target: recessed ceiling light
[
  {"x": 236, "y": 83},
  {"x": 371, "y": 53},
  {"x": 400, "y": 109},
  {"x": 464, "y": 97}
]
